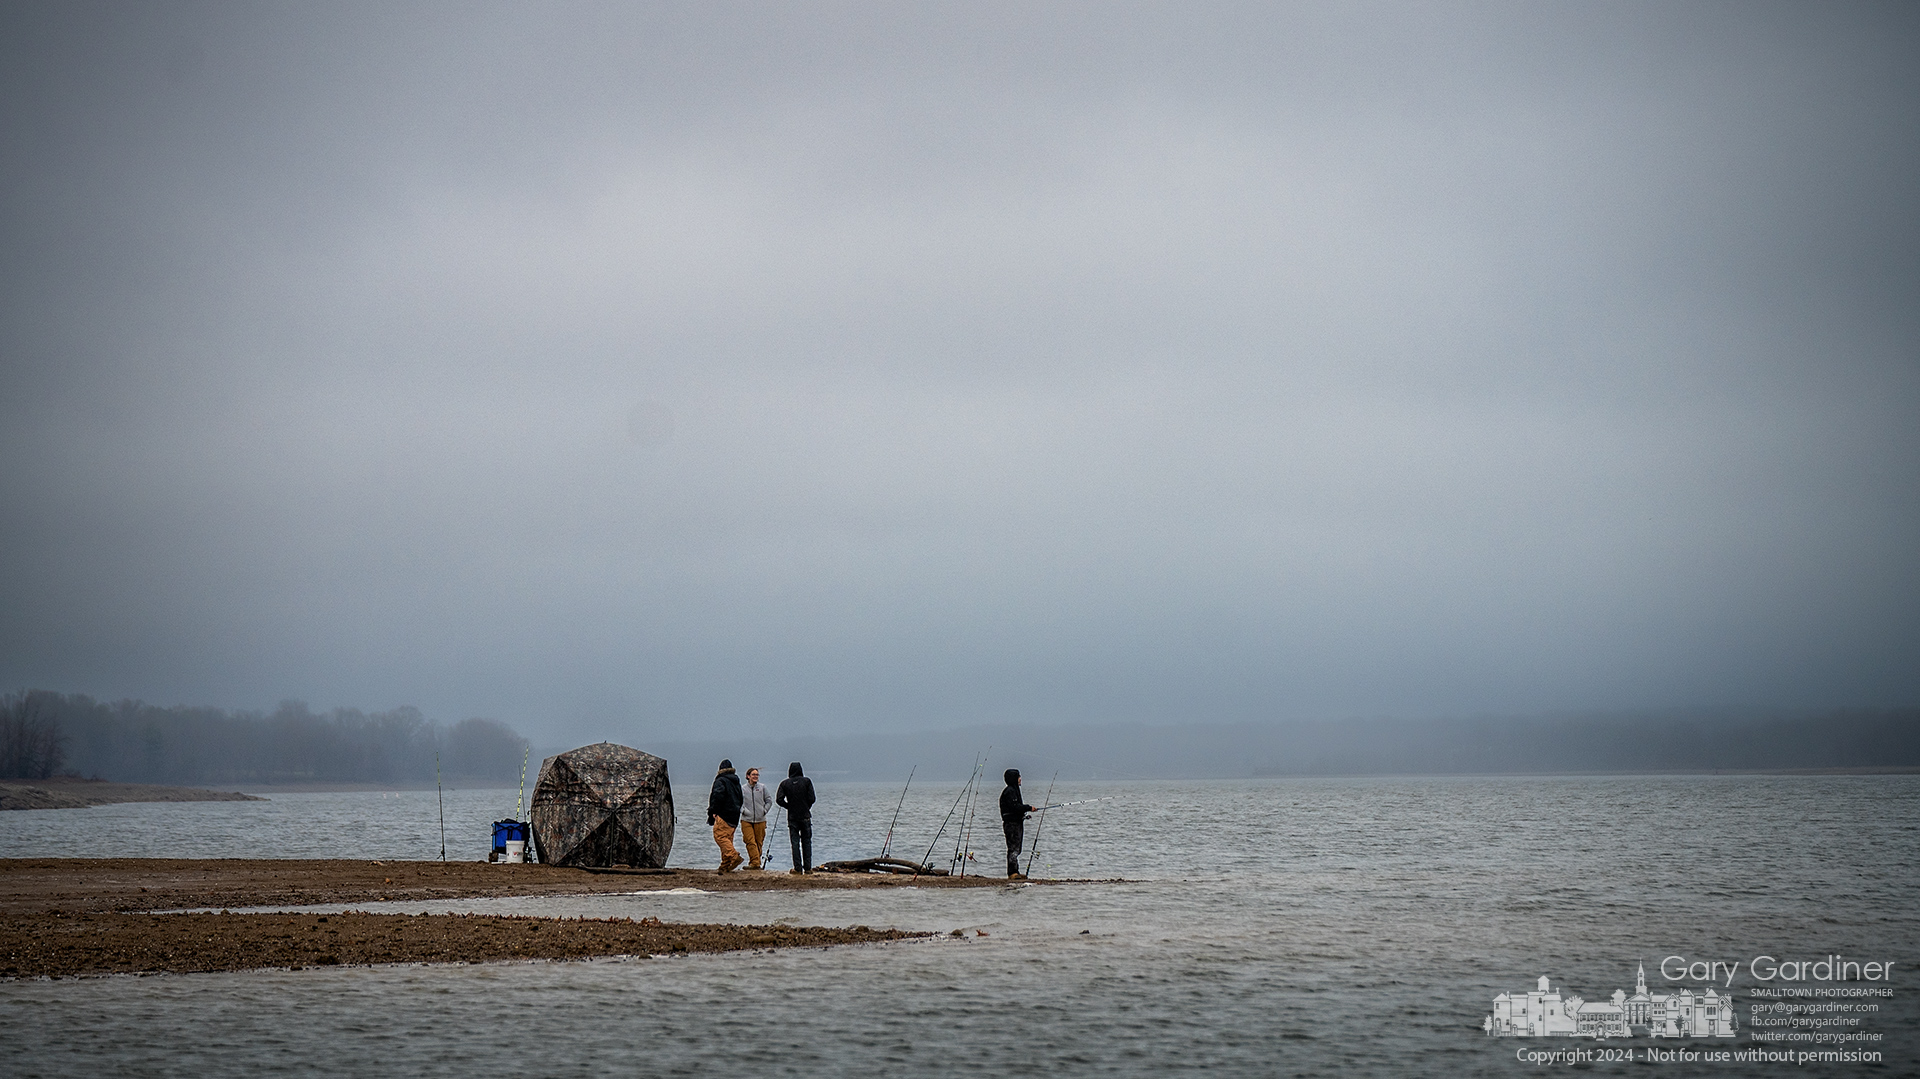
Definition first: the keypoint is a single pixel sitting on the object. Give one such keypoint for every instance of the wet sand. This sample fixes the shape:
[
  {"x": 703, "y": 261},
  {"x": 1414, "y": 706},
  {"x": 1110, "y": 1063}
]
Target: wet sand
[
  {"x": 31, "y": 885},
  {"x": 61, "y": 944},
  {"x": 63, "y": 917}
]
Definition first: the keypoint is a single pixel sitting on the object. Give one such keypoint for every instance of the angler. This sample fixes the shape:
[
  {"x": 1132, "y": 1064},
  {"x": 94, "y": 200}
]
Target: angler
[
  {"x": 723, "y": 813},
  {"x": 1013, "y": 820},
  {"x": 795, "y": 795}
]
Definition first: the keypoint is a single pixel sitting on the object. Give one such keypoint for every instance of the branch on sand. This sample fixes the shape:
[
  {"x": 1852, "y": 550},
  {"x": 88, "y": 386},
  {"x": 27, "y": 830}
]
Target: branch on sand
[{"x": 882, "y": 865}]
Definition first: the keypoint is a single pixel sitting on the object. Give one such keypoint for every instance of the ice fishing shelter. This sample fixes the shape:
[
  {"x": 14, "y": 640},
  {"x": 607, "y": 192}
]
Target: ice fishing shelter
[{"x": 602, "y": 805}]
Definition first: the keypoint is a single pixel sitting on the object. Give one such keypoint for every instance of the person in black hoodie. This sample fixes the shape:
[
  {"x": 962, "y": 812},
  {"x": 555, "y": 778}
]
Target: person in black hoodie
[
  {"x": 796, "y": 797},
  {"x": 723, "y": 812},
  {"x": 1013, "y": 820}
]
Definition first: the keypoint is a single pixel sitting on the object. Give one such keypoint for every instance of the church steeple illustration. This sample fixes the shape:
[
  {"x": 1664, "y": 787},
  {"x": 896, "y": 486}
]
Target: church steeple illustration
[{"x": 1640, "y": 983}]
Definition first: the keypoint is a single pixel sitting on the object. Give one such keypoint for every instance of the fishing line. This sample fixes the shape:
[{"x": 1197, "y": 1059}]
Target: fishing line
[
  {"x": 888, "y": 845},
  {"x": 1077, "y": 802},
  {"x": 960, "y": 832},
  {"x": 1039, "y": 824},
  {"x": 949, "y": 820},
  {"x": 962, "y": 836}
]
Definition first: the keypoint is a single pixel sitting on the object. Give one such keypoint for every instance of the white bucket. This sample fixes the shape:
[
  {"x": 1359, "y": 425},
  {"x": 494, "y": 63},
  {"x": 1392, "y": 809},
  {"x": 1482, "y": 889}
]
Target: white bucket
[{"x": 516, "y": 850}]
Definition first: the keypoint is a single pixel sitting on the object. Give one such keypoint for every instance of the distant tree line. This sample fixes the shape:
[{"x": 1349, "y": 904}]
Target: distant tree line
[
  {"x": 31, "y": 746},
  {"x": 136, "y": 742}
]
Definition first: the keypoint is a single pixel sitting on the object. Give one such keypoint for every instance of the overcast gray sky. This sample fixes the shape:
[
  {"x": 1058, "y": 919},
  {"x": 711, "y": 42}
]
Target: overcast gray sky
[{"x": 666, "y": 369}]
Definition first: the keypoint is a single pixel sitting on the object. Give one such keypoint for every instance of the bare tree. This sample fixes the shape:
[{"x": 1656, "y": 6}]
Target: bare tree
[{"x": 31, "y": 745}]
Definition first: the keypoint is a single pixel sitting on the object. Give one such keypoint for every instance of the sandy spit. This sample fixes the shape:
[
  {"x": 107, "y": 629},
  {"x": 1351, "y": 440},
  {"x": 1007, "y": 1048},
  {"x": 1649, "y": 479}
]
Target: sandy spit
[
  {"x": 60, "y": 944},
  {"x": 66, "y": 792}
]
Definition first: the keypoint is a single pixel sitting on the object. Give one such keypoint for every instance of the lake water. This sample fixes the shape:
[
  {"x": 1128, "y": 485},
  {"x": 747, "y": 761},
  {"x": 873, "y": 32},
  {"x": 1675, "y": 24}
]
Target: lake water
[{"x": 1270, "y": 928}]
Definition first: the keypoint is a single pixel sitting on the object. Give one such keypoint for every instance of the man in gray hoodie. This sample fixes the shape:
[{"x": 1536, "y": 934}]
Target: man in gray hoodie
[{"x": 756, "y": 800}]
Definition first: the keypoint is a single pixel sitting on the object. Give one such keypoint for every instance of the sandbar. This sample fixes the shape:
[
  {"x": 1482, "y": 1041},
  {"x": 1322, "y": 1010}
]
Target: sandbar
[
  {"x": 69, "y": 792},
  {"x": 65, "y": 917}
]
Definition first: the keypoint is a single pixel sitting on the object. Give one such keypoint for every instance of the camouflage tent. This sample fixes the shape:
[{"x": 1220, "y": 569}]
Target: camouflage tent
[{"x": 603, "y": 805}]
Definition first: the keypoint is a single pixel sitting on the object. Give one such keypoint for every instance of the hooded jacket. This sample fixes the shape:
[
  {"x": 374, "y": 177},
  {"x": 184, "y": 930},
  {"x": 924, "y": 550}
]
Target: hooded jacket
[
  {"x": 795, "y": 794},
  {"x": 1012, "y": 809},
  {"x": 725, "y": 799}
]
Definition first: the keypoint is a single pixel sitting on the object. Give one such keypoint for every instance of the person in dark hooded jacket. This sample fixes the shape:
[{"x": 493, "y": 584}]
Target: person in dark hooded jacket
[
  {"x": 796, "y": 797},
  {"x": 1013, "y": 820},
  {"x": 723, "y": 812}
]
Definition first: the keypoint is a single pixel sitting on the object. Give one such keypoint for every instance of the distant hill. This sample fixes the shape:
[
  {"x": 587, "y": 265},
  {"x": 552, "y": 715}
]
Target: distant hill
[{"x": 1675, "y": 742}]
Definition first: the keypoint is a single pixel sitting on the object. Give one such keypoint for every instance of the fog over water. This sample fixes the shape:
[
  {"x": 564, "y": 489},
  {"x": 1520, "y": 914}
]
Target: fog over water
[{"x": 642, "y": 371}]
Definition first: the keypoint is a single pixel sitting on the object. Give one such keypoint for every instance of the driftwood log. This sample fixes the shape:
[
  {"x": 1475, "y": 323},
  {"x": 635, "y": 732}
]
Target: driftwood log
[{"x": 882, "y": 865}]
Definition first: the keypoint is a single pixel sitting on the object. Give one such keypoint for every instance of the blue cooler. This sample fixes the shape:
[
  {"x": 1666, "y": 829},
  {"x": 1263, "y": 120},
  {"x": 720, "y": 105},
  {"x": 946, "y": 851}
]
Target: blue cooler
[{"x": 509, "y": 841}]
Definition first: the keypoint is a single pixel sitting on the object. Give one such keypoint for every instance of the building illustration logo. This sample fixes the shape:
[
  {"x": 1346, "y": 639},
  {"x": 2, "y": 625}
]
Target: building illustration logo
[{"x": 1553, "y": 1013}]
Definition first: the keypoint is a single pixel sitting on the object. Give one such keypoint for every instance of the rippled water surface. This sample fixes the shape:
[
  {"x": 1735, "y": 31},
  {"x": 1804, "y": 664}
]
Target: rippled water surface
[{"x": 1274, "y": 927}]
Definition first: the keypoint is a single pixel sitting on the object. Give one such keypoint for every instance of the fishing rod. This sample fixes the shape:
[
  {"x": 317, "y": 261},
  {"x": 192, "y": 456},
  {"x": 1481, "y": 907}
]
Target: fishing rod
[
  {"x": 888, "y": 845},
  {"x": 949, "y": 820},
  {"x": 973, "y": 804},
  {"x": 1039, "y": 824},
  {"x": 1075, "y": 802},
  {"x": 963, "y": 835},
  {"x": 966, "y": 818},
  {"x": 766, "y": 847},
  {"x": 442, "y": 794},
  {"x": 526, "y": 754}
]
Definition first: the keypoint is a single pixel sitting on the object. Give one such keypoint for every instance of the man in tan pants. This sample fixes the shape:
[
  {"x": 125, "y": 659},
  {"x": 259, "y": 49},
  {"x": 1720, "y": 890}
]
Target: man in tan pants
[
  {"x": 756, "y": 800},
  {"x": 723, "y": 812}
]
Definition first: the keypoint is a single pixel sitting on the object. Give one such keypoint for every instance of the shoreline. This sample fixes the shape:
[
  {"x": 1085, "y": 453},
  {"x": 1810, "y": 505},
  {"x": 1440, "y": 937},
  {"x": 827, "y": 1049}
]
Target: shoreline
[
  {"x": 33, "y": 886},
  {"x": 70, "y": 792}
]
